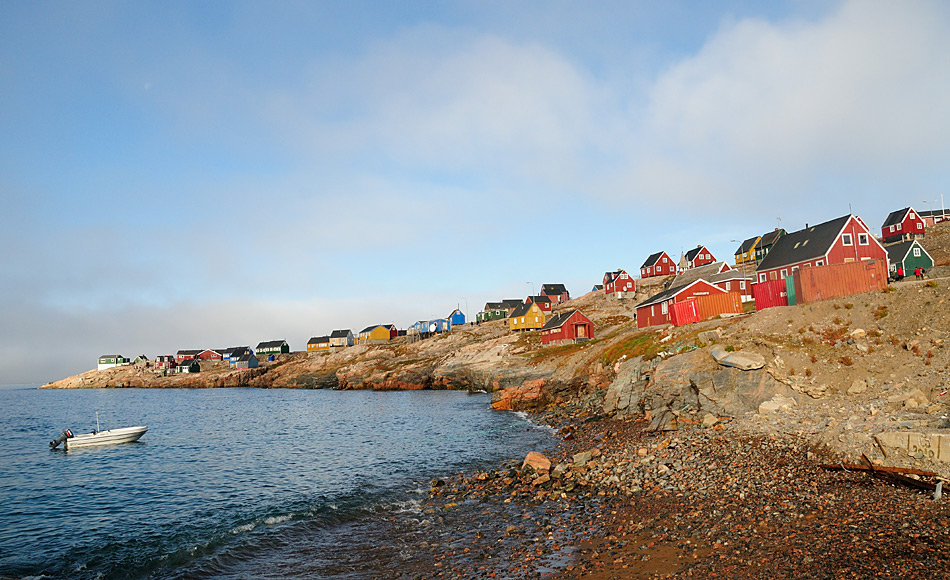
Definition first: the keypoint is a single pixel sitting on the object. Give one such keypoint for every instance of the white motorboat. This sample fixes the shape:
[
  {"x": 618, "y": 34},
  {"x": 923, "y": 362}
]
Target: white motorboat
[{"x": 97, "y": 437}]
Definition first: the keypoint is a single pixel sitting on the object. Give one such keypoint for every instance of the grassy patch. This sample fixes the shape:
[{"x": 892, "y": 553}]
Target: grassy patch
[
  {"x": 880, "y": 312},
  {"x": 931, "y": 284},
  {"x": 846, "y": 361},
  {"x": 643, "y": 345}
]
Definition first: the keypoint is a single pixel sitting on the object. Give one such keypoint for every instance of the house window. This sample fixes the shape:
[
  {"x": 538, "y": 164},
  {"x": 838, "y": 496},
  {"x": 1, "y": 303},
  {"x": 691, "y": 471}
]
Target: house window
[
  {"x": 762, "y": 277},
  {"x": 741, "y": 284},
  {"x": 863, "y": 239},
  {"x": 819, "y": 263},
  {"x": 664, "y": 308},
  {"x": 892, "y": 229},
  {"x": 794, "y": 268},
  {"x": 784, "y": 273},
  {"x": 920, "y": 226},
  {"x": 846, "y": 239},
  {"x": 916, "y": 252},
  {"x": 652, "y": 311}
]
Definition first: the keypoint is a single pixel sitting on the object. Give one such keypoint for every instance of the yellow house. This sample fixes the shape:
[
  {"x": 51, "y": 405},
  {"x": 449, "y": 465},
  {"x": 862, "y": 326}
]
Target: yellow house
[
  {"x": 526, "y": 317},
  {"x": 746, "y": 252},
  {"x": 318, "y": 343},
  {"x": 377, "y": 334}
]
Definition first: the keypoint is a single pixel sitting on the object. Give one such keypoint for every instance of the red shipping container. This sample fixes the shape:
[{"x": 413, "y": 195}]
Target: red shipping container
[
  {"x": 685, "y": 312},
  {"x": 715, "y": 304},
  {"x": 838, "y": 280},
  {"x": 769, "y": 294}
]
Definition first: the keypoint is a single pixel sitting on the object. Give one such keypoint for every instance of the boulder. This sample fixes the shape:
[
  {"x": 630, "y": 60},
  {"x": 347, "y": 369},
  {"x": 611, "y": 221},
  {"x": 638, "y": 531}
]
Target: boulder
[
  {"x": 709, "y": 420},
  {"x": 581, "y": 459},
  {"x": 776, "y": 403},
  {"x": 746, "y": 361},
  {"x": 710, "y": 336},
  {"x": 858, "y": 333},
  {"x": 536, "y": 461},
  {"x": 620, "y": 393},
  {"x": 857, "y": 387},
  {"x": 524, "y": 396}
]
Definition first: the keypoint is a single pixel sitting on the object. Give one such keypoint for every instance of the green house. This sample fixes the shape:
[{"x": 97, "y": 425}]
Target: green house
[
  {"x": 273, "y": 347},
  {"x": 909, "y": 254}
]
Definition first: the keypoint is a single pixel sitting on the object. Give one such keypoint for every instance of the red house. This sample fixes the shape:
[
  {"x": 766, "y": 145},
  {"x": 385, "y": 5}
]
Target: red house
[
  {"x": 556, "y": 292},
  {"x": 165, "y": 361},
  {"x": 619, "y": 283},
  {"x": 184, "y": 355},
  {"x": 842, "y": 240},
  {"x": 564, "y": 327},
  {"x": 543, "y": 302},
  {"x": 209, "y": 354},
  {"x": 718, "y": 274},
  {"x": 699, "y": 256},
  {"x": 658, "y": 264},
  {"x": 656, "y": 310},
  {"x": 903, "y": 224},
  {"x": 934, "y": 216}
]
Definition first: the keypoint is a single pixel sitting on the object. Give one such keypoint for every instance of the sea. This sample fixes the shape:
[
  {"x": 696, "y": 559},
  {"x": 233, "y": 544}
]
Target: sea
[{"x": 234, "y": 483}]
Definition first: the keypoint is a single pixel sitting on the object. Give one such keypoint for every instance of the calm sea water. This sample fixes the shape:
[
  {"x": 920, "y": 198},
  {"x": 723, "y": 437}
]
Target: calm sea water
[{"x": 231, "y": 482}]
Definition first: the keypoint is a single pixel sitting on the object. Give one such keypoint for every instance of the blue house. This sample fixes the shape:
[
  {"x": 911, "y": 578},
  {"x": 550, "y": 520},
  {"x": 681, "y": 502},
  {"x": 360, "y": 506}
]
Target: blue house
[{"x": 457, "y": 317}]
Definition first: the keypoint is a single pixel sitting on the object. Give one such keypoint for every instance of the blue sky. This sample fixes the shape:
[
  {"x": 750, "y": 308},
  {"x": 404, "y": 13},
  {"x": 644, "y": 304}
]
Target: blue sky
[{"x": 191, "y": 174}]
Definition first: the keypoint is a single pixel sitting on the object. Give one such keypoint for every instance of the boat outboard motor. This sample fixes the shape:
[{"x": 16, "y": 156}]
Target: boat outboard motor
[{"x": 55, "y": 442}]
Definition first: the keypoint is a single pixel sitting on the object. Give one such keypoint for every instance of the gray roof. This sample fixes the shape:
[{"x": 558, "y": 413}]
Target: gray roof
[
  {"x": 539, "y": 299},
  {"x": 803, "y": 245},
  {"x": 666, "y": 294},
  {"x": 318, "y": 340},
  {"x": 934, "y": 213},
  {"x": 553, "y": 289},
  {"x": 521, "y": 310},
  {"x": 746, "y": 246},
  {"x": 691, "y": 255},
  {"x": 494, "y": 306},
  {"x": 699, "y": 272},
  {"x": 511, "y": 303},
  {"x": 895, "y": 217},
  {"x": 769, "y": 238},
  {"x": 897, "y": 252},
  {"x": 559, "y": 319},
  {"x": 191, "y": 352},
  {"x": 340, "y": 333},
  {"x": 651, "y": 259},
  {"x": 271, "y": 344},
  {"x": 611, "y": 276}
]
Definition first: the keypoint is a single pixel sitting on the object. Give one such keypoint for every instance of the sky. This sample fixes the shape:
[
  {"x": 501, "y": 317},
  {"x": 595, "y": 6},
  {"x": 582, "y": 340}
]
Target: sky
[{"x": 210, "y": 174}]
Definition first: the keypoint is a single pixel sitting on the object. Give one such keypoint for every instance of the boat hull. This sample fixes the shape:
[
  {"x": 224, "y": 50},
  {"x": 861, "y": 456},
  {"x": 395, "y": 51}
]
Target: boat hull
[{"x": 110, "y": 437}]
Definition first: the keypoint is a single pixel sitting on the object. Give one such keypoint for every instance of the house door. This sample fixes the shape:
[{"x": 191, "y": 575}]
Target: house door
[{"x": 580, "y": 331}]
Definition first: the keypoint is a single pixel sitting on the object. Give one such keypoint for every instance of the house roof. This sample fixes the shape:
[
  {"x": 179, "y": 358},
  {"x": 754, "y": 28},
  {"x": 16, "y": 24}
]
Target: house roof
[
  {"x": 521, "y": 310},
  {"x": 934, "y": 213},
  {"x": 670, "y": 293},
  {"x": 246, "y": 357},
  {"x": 271, "y": 344},
  {"x": 652, "y": 259},
  {"x": 237, "y": 350},
  {"x": 699, "y": 272},
  {"x": 494, "y": 306},
  {"x": 559, "y": 319},
  {"x": 318, "y": 340},
  {"x": 611, "y": 276},
  {"x": 897, "y": 252},
  {"x": 111, "y": 356},
  {"x": 511, "y": 303},
  {"x": 538, "y": 299},
  {"x": 691, "y": 255},
  {"x": 747, "y": 245},
  {"x": 895, "y": 217},
  {"x": 598, "y": 287},
  {"x": 803, "y": 245},
  {"x": 769, "y": 238},
  {"x": 340, "y": 333},
  {"x": 553, "y": 289},
  {"x": 190, "y": 351}
]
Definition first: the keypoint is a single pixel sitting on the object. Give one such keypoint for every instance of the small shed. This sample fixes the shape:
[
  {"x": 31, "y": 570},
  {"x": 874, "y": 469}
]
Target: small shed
[
  {"x": 247, "y": 361},
  {"x": 909, "y": 255},
  {"x": 567, "y": 327},
  {"x": 457, "y": 317}
]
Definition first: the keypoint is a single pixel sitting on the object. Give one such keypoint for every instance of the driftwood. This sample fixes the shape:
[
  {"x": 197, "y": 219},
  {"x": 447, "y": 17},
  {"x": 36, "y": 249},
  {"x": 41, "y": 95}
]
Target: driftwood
[{"x": 892, "y": 474}]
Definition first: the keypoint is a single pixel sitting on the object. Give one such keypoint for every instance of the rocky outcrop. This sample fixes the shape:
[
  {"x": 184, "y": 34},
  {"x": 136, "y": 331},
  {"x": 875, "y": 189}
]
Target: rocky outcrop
[{"x": 526, "y": 396}]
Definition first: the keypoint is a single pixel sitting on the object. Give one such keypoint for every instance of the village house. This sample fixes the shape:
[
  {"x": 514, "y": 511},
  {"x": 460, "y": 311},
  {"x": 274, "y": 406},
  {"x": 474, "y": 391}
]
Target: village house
[
  {"x": 318, "y": 343},
  {"x": 556, "y": 292},
  {"x": 934, "y": 216},
  {"x": 543, "y": 302},
  {"x": 656, "y": 310},
  {"x": 108, "y": 361},
  {"x": 236, "y": 352},
  {"x": 745, "y": 253},
  {"x": 246, "y": 361},
  {"x": 597, "y": 288},
  {"x": 209, "y": 354},
  {"x": 619, "y": 284},
  {"x": 698, "y": 256},
  {"x": 528, "y": 316},
  {"x": 141, "y": 361},
  {"x": 188, "y": 366},
  {"x": 658, "y": 264},
  {"x": 567, "y": 327},
  {"x": 273, "y": 347},
  {"x": 185, "y": 354},
  {"x": 377, "y": 334},
  {"x": 165, "y": 361},
  {"x": 908, "y": 255},
  {"x": 841, "y": 240},
  {"x": 767, "y": 242},
  {"x": 342, "y": 338},
  {"x": 903, "y": 224},
  {"x": 492, "y": 311},
  {"x": 718, "y": 274}
]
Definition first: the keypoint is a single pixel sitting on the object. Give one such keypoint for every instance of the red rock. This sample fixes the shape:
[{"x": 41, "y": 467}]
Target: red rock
[
  {"x": 537, "y": 461},
  {"x": 520, "y": 397}
]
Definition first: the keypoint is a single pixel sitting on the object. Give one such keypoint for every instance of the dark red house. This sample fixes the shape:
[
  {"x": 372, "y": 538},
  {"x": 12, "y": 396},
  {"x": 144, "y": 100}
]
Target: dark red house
[
  {"x": 543, "y": 302},
  {"x": 903, "y": 224},
  {"x": 658, "y": 264},
  {"x": 556, "y": 292},
  {"x": 656, "y": 310},
  {"x": 567, "y": 327},
  {"x": 619, "y": 283},
  {"x": 184, "y": 355},
  {"x": 699, "y": 256},
  {"x": 842, "y": 240},
  {"x": 209, "y": 354},
  {"x": 165, "y": 361}
]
